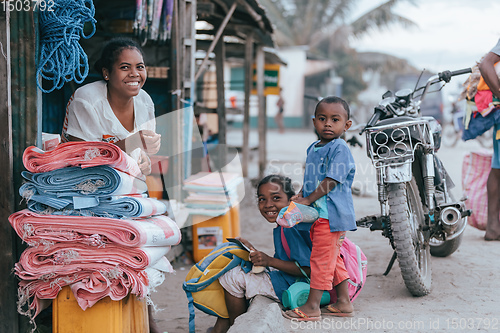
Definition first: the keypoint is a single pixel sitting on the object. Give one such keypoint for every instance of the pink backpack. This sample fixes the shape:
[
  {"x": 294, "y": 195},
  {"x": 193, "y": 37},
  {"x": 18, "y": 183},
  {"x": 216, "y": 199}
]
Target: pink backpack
[{"x": 355, "y": 262}]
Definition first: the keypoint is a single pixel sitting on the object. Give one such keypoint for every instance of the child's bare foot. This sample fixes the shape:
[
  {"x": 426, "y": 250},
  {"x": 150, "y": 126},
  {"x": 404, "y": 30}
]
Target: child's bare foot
[{"x": 221, "y": 326}]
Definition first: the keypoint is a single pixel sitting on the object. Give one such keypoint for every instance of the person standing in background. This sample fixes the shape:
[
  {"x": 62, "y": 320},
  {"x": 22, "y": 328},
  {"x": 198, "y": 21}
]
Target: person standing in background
[
  {"x": 488, "y": 72},
  {"x": 279, "y": 116}
]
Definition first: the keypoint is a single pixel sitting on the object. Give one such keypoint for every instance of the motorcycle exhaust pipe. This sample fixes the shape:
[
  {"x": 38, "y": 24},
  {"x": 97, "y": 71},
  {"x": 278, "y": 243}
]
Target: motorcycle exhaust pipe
[{"x": 450, "y": 216}]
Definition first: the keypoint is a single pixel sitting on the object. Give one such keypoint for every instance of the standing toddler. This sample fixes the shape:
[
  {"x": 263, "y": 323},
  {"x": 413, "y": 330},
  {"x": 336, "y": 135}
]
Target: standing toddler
[{"x": 328, "y": 177}]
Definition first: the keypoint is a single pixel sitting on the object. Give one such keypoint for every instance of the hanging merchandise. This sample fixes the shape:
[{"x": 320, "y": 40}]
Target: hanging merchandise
[
  {"x": 166, "y": 23},
  {"x": 153, "y": 20},
  {"x": 62, "y": 59}
]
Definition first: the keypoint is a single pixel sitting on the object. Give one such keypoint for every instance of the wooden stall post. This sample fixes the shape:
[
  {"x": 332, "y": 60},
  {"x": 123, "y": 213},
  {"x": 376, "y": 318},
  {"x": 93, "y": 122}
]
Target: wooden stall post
[
  {"x": 262, "y": 111},
  {"x": 246, "y": 108},
  {"x": 8, "y": 315},
  {"x": 220, "y": 58}
]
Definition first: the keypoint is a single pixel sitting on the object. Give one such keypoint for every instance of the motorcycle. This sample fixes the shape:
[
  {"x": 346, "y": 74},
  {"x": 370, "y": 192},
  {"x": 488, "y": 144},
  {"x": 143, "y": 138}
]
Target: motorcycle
[{"x": 418, "y": 213}]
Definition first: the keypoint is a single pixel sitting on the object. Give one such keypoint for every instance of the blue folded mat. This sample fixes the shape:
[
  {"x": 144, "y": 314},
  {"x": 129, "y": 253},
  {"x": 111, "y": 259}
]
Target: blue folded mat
[{"x": 100, "y": 180}]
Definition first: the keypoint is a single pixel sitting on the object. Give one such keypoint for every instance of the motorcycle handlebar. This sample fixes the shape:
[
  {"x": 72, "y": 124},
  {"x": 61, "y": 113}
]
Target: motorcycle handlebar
[
  {"x": 446, "y": 75},
  {"x": 443, "y": 76},
  {"x": 379, "y": 112},
  {"x": 461, "y": 71}
]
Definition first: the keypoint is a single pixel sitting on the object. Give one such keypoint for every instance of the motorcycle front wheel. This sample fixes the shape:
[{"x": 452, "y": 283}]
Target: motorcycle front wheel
[{"x": 413, "y": 250}]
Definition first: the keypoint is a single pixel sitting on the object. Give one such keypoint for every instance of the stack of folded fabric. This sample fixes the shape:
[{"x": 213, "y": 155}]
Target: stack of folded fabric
[
  {"x": 213, "y": 191},
  {"x": 90, "y": 225}
]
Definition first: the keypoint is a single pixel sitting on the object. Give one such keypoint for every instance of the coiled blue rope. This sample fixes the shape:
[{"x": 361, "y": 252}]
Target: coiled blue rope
[{"x": 62, "y": 58}]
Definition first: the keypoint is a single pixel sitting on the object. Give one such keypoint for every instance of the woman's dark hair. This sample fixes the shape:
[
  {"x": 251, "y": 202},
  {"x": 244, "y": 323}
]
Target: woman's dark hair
[
  {"x": 284, "y": 182},
  {"x": 333, "y": 100},
  {"x": 112, "y": 50}
]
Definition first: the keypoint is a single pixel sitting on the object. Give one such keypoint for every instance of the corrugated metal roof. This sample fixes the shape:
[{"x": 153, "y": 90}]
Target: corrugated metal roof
[{"x": 248, "y": 13}]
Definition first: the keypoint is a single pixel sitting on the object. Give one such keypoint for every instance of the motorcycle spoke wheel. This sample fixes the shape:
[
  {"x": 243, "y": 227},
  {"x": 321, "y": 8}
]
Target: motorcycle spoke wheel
[
  {"x": 450, "y": 137},
  {"x": 413, "y": 250},
  {"x": 441, "y": 248},
  {"x": 486, "y": 139}
]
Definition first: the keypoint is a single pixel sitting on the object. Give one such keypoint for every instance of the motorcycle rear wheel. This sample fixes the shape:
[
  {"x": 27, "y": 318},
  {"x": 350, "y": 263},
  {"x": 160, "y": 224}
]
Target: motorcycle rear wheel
[
  {"x": 441, "y": 248},
  {"x": 413, "y": 250}
]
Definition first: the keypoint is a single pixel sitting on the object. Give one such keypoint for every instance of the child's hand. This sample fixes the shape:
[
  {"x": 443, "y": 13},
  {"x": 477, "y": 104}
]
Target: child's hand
[
  {"x": 259, "y": 258},
  {"x": 245, "y": 242},
  {"x": 303, "y": 201},
  {"x": 296, "y": 197}
]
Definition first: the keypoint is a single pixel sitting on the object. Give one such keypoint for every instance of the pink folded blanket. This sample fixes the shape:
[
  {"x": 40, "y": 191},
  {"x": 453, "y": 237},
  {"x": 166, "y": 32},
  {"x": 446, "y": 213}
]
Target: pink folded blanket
[
  {"x": 36, "y": 229},
  {"x": 80, "y": 153},
  {"x": 88, "y": 285},
  {"x": 64, "y": 259}
]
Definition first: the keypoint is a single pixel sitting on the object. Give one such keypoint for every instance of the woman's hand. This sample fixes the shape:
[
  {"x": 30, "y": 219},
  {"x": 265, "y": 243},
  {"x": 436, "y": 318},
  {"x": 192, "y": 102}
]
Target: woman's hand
[
  {"x": 151, "y": 141},
  {"x": 144, "y": 163},
  {"x": 147, "y": 140}
]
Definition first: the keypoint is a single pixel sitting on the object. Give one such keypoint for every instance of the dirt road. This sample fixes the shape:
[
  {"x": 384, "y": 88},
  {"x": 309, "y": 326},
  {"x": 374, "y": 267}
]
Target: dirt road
[{"x": 465, "y": 295}]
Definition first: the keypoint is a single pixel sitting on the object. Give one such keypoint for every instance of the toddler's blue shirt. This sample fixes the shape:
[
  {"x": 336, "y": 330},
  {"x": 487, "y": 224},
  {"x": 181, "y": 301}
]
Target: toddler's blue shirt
[{"x": 334, "y": 160}]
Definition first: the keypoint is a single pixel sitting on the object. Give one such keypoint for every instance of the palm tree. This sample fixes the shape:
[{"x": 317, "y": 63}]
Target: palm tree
[{"x": 324, "y": 24}]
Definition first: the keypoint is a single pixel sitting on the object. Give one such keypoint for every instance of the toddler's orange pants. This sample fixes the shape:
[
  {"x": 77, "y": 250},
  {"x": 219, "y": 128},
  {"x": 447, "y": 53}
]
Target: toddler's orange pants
[{"x": 327, "y": 267}]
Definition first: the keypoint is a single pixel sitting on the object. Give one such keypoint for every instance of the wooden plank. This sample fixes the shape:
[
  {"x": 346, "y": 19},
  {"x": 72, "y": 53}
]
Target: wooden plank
[
  {"x": 26, "y": 123},
  {"x": 215, "y": 41},
  {"x": 262, "y": 111},
  {"x": 175, "y": 175},
  {"x": 220, "y": 58},
  {"x": 246, "y": 108},
  {"x": 8, "y": 285}
]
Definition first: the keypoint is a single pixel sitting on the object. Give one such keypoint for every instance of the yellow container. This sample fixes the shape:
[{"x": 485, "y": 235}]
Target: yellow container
[
  {"x": 235, "y": 221},
  {"x": 155, "y": 187},
  {"x": 130, "y": 315},
  {"x": 207, "y": 234}
]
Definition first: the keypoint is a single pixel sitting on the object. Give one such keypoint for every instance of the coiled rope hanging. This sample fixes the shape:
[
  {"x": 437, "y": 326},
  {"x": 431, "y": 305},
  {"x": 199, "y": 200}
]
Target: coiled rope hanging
[{"x": 62, "y": 58}]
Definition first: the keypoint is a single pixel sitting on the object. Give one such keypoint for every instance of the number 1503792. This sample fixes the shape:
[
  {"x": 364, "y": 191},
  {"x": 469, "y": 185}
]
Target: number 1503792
[{"x": 27, "y": 5}]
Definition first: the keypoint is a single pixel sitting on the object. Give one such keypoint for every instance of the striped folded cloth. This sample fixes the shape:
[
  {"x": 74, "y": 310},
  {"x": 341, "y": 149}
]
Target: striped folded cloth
[
  {"x": 83, "y": 154},
  {"x": 110, "y": 206},
  {"x": 93, "y": 181},
  {"x": 64, "y": 258},
  {"x": 88, "y": 285},
  {"x": 36, "y": 229}
]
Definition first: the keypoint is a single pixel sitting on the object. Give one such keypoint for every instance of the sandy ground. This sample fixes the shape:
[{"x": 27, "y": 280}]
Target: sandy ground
[{"x": 465, "y": 293}]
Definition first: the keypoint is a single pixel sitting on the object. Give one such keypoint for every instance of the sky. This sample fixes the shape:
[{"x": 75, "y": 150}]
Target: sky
[{"x": 451, "y": 34}]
